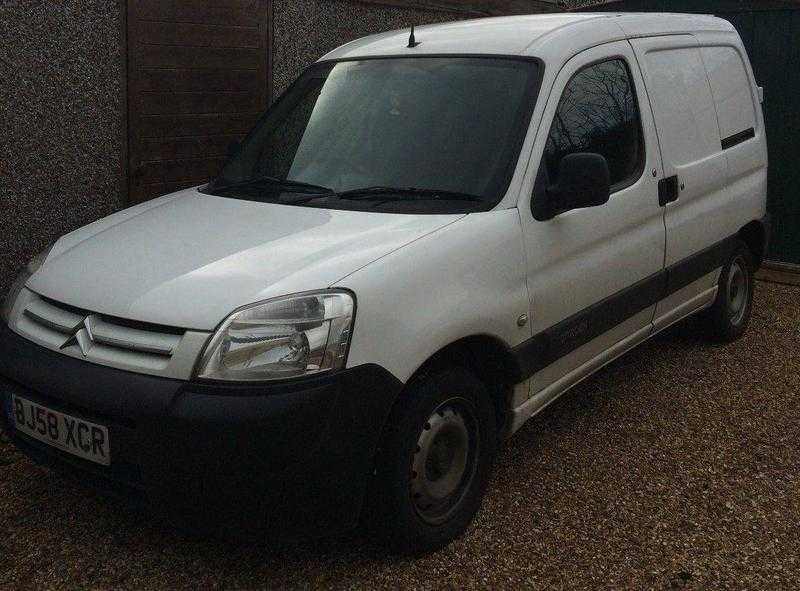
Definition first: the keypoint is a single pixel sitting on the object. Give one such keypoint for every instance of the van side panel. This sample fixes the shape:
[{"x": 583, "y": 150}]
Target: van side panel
[
  {"x": 706, "y": 211},
  {"x": 690, "y": 143},
  {"x": 683, "y": 108},
  {"x": 467, "y": 279},
  {"x": 730, "y": 88},
  {"x": 741, "y": 121}
]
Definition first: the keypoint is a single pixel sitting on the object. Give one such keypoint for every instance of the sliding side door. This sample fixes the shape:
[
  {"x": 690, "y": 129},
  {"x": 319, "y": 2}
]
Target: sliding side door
[{"x": 699, "y": 213}]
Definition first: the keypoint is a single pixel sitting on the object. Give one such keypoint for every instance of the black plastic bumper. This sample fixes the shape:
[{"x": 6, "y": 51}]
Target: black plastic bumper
[{"x": 277, "y": 461}]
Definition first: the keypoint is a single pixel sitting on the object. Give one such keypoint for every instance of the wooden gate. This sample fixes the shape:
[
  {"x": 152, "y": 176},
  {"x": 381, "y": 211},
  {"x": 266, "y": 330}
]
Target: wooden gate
[{"x": 198, "y": 77}]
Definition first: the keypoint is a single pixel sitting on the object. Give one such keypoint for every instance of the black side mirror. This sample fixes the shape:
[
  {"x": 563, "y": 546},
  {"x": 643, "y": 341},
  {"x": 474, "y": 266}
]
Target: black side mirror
[{"x": 583, "y": 181}]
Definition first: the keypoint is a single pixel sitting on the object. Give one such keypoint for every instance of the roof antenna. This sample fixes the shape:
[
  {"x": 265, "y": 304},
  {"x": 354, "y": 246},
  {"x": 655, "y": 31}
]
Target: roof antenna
[{"x": 412, "y": 41}]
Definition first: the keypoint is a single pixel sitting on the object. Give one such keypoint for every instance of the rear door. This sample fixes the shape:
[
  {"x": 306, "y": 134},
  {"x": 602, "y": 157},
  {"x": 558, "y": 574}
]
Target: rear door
[{"x": 693, "y": 184}]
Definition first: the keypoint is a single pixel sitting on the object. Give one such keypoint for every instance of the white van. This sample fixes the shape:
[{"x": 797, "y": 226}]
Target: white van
[{"x": 422, "y": 244}]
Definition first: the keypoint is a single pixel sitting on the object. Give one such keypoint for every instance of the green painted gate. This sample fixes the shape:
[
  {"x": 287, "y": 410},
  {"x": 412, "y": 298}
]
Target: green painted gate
[{"x": 771, "y": 33}]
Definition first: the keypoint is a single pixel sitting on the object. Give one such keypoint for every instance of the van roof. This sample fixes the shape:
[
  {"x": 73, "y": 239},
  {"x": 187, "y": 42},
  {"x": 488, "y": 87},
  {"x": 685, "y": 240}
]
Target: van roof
[{"x": 539, "y": 35}]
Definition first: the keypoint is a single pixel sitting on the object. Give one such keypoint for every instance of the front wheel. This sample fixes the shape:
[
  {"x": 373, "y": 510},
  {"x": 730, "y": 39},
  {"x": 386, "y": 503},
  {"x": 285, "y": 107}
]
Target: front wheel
[
  {"x": 435, "y": 461},
  {"x": 728, "y": 317}
]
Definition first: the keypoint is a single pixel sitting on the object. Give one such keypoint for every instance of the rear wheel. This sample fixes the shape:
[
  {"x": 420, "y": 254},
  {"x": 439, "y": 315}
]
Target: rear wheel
[
  {"x": 728, "y": 317},
  {"x": 435, "y": 461}
]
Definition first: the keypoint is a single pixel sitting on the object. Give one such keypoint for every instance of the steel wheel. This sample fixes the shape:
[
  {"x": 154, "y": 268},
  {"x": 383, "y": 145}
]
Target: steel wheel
[
  {"x": 729, "y": 315},
  {"x": 738, "y": 287},
  {"x": 444, "y": 461},
  {"x": 435, "y": 461}
]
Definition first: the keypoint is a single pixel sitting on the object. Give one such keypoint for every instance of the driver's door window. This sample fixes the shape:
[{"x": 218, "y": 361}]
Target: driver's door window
[{"x": 598, "y": 112}]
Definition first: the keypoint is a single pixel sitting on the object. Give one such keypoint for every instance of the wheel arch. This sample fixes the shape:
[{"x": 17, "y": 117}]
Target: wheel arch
[
  {"x": 492, "y": 361},
  {"x": 755, "y": 235}
]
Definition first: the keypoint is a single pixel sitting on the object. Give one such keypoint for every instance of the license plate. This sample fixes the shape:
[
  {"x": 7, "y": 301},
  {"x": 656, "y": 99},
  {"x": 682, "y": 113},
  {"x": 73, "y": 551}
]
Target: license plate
[{"x": 72, "y": 435}]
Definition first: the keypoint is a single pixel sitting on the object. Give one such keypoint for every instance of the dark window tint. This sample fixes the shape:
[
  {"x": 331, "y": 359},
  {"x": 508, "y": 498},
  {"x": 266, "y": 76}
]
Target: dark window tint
[{"x": 598, "y": 113}]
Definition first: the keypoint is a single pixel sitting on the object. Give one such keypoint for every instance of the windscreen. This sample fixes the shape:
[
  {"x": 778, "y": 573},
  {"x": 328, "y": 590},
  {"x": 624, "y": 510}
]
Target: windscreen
[{"x": 447, "y": 124}]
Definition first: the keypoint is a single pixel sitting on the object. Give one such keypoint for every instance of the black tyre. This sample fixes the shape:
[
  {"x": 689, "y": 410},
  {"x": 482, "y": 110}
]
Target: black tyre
[
  {"x": 728, "y": 317},
  {"x": 434, "y": 463}
]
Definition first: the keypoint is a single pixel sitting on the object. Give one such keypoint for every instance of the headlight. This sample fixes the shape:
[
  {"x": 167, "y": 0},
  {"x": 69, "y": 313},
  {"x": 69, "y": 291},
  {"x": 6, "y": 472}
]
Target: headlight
[
  {"x": 21, "y": 280},
  {"x": 283, "y": 338}
]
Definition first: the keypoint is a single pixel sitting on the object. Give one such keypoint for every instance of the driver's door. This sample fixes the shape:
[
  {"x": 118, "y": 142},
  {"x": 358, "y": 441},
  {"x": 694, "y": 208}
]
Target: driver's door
[{"x": 594, "y": 275}]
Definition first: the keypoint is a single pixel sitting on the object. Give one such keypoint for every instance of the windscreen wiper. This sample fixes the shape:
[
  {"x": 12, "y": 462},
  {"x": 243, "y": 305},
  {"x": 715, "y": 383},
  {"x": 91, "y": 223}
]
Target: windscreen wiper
[
  {"x": 282, "y": 183},
  {"x": 369, "y": 193},
  {"x": 380, "y": 193}
]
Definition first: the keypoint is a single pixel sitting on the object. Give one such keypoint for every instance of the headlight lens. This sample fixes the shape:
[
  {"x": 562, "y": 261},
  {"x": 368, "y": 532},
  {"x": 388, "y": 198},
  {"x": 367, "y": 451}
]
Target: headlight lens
[
  {"x": 21, "y": 280},
  {"x": 282, "y": 338}
]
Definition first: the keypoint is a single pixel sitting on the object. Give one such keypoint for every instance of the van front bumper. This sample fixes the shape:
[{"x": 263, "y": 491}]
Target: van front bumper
[{"x": 275, "y": 461}]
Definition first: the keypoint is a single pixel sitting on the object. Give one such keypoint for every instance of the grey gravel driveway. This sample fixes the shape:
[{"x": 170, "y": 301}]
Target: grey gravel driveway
[{"x": 677, "y": 466}]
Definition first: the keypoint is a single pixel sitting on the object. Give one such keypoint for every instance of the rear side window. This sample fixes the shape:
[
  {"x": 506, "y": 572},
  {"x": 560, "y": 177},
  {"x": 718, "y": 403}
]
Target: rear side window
[{"x": 599, "y": 113}]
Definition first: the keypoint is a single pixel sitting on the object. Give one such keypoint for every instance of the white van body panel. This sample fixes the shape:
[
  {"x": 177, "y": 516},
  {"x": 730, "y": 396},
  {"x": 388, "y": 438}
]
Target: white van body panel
[
  {"x": 738, "y": 101},
  {"x": 217, "y": 255},
  {"x": 730, "y": 86},
  {"x": 75, "y": 237},
  {"x": 466, "y": 280},
  {"x": 654, "y": 24}
]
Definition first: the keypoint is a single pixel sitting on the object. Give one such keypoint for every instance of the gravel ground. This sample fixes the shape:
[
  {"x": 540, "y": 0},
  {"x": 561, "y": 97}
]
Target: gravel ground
[{"x": 675, "y": 467}]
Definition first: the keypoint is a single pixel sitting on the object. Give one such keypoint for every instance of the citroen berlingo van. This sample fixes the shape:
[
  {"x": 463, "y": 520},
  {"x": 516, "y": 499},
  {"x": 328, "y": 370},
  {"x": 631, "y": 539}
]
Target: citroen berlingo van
[{"x": 424, "y": 242}]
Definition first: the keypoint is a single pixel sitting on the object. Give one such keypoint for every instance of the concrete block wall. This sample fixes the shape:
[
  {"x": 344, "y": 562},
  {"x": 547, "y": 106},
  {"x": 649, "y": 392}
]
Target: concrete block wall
[{"x": 61, "y": 121}]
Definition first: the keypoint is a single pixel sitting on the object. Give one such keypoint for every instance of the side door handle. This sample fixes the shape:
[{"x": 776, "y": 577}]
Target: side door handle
[{"x": 668, "y": 190}]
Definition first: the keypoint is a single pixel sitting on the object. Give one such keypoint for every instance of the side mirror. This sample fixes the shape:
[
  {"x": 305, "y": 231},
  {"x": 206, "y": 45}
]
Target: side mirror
[{"x": 583, "y": 181}]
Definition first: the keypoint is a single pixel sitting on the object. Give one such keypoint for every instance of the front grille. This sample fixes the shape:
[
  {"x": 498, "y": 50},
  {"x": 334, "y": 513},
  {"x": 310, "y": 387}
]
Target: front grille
[
  {"x": 99, "y": 338},
  {"x": 121, "y": 343}
]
